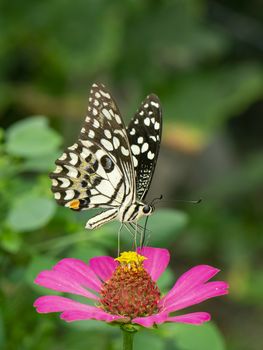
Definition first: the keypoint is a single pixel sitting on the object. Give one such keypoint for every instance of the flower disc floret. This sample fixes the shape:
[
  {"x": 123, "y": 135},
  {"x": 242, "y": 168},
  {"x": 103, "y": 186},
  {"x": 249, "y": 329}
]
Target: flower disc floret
[{"x": 130, "y": 291}]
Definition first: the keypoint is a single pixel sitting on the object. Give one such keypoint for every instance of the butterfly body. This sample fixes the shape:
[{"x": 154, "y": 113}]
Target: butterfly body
[
  {"x": 133, "y": 212},
  {"x": 125, "y": 214},
  {"x": 110, "y": 166}
]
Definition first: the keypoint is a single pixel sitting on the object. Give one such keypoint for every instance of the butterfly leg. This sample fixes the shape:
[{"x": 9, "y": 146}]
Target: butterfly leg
[
  {"x": 143, "y": 235},
  {"x": 119, "y": 239},
  {"x": 135, "y": 236},
  {"x": 133, "y": 232},
  {"x": 101, "y": 218},
  {"x": 136, "y": 229}
]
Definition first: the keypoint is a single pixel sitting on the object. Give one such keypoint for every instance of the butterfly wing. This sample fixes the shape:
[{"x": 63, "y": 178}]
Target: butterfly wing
[
  {"x": 97, "y": 171},
  {"x": 144, "y": 132}
]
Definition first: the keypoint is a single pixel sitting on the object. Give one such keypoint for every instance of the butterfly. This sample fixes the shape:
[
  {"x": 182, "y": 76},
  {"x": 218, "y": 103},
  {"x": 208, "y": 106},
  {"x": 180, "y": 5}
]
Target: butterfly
[{"x": 110, "y": 166}]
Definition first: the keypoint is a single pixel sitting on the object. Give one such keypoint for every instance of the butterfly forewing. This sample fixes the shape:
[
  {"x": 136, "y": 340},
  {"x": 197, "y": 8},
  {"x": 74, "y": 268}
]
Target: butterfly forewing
[
  {"x": 97, "y": 170},
  {"x": 144, "y": 132}
]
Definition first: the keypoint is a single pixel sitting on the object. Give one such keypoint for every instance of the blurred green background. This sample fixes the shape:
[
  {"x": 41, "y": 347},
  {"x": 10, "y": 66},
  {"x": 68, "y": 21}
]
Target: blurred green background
[{"x": 204, "y": 60}]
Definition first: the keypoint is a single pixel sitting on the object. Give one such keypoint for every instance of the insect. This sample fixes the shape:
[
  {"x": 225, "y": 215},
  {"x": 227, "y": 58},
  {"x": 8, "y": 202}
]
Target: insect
[{"x": 110, "y": 166}]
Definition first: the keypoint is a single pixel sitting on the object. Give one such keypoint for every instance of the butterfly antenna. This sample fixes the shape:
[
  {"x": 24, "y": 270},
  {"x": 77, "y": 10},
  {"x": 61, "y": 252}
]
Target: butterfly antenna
[
  {"x": 187, "y": 201},
  {"x": 156, "y": 199}
]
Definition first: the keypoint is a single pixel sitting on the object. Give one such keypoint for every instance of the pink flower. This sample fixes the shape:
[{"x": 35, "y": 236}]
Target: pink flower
[{"x": 125, "y": 289}]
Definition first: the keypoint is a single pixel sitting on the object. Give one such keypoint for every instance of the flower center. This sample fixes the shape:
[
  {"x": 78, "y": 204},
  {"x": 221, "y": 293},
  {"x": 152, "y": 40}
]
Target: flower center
[{"x": 130, "y": 291}]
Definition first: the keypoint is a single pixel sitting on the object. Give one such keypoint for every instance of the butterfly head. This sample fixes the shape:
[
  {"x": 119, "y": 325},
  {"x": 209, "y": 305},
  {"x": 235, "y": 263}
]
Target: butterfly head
[{"x": 147, "y": 209}]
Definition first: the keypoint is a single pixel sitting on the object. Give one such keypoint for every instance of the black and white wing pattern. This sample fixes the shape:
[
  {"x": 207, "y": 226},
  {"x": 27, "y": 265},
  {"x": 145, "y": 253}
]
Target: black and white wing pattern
[
  {"x": 144, "y": 132},
  {"x": 97, "y": 170}
]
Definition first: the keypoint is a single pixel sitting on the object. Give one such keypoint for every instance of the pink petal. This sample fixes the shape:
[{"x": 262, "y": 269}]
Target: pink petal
[
  {"x": 77, "y": 270},
  {"x": 103, "y": 266},
  {"x": 189, "y": 280},
  {"x": 157, "y": 260},
  {"x": 195, "y": 296},
  {"x": 58, "y": 281},
  {"x": 196, "y": 318},
  {"x": 72, "y": 310},
  {"x": 55, "y": 303},
  {"x": 148, "y": 321},
  {"x": 98, "y": 314}
]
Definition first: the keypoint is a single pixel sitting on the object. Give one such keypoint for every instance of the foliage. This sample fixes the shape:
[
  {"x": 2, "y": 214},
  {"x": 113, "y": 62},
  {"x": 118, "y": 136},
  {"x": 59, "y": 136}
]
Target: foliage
[{"x": 183, "y": 337}]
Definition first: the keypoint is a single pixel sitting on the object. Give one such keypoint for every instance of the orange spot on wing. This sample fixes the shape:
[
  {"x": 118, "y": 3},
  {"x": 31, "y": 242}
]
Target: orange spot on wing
[{"x": 74, "y": 204}]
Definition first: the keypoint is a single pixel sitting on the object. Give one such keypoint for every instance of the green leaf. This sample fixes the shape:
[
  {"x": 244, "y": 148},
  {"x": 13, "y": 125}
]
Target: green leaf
[
  {"x": 1, "y": 134},
  {"x": 215, "y": 95},
  {"x": 85, "y": 252},
  {"x": 252, "y": 287},
  {"x": 190, "y": 337},
  {"x": 148, "y": 340},
  {"x": 99, "y": 53},
  {"x": 92, "y": 325},
  {"x": 10, "y": 241},
  {"x": 166, "y": 280},
  {"x": 38, "y": 264},
  {"x": 2, "y": 332},
  {"x": 164, "y": 226},
  {"x": 32, "y": 137},
  {"x": 30, "y": 212},
  {"x": 174, "y": 32},
  {"x": 78, "y": 339},
  {"x": 44, "y": 163}
]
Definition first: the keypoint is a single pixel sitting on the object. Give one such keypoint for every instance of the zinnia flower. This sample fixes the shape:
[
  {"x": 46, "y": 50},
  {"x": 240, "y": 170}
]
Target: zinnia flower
[{"x": 125, "y": 290}]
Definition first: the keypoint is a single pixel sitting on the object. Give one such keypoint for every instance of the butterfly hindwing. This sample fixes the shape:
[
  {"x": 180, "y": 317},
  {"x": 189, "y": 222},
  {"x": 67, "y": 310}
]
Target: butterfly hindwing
[
  {"x": 85, "y": 179},
  {"x": 144, "y": 132},
  {"x": 97, "y": 170}
]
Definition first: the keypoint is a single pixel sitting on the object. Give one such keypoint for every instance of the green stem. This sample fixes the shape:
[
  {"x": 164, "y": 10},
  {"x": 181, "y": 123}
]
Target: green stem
[{"x": 128, "y": 339}]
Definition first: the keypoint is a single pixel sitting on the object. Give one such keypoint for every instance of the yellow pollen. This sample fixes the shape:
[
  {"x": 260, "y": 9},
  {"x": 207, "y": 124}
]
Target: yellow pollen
[
  {"x": 131, "y": 260},
  {"x": 74, "y": 204}
]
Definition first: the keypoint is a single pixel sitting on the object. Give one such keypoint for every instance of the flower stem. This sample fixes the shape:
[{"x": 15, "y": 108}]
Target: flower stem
[{"x": 128, "y": 339}]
